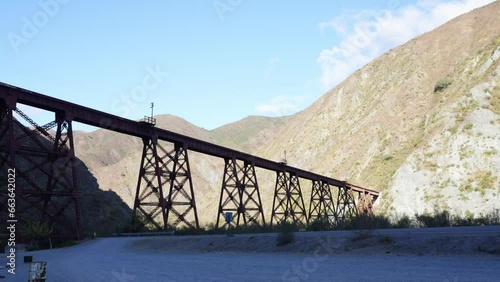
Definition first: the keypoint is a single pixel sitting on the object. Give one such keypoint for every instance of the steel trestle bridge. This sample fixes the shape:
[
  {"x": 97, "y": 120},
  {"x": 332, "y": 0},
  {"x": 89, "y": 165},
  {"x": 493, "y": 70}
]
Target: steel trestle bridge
[{"x": 165, "y": 193}]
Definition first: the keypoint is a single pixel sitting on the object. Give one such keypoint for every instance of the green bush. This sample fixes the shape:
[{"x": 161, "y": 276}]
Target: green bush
[
  {"x": 439, "y": 219},
  {"x": 286, "y": 234},
  {"x": 404, "y": 222},
  {"x": 36, "y": 230},
  {"x": 442, "y": 85}
]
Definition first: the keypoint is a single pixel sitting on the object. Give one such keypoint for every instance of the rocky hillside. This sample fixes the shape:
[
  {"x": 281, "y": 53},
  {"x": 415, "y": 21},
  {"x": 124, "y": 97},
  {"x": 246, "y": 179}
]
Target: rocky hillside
[
  {"x": 249, "y": 134},
  {"x": 421, "y": 123}
]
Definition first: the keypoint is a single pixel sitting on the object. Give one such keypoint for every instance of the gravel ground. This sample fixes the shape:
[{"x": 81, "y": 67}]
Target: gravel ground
[{"x": 313, "y": 257}]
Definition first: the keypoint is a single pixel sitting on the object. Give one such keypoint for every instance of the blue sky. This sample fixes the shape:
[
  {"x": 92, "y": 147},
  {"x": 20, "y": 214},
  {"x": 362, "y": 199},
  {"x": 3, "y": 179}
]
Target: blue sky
[{"x": 210, "y": 62}]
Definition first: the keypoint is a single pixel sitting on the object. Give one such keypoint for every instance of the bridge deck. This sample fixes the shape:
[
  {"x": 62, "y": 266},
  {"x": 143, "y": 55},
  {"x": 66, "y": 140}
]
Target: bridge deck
[{"x": 130, "y": 127}]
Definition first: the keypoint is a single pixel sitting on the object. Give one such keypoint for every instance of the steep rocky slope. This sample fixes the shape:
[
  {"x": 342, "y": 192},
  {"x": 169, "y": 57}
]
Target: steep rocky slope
[{"x": 387, "y": 128}]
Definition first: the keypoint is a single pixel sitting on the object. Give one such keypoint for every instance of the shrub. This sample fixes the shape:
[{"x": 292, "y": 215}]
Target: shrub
[
  {"x": 439, "y": 219},
  {"x": 319, "y": 224},
  {"x": 404, "y": 222},
  {"x": 442, "y": 85},
  {"x": 363, "y": 221},
  {"x": 286, "y": 235},
  {"x": 388, "y": 157},
  {"x": 36, "y": 234},
  {"x": 36, "y": 230}
]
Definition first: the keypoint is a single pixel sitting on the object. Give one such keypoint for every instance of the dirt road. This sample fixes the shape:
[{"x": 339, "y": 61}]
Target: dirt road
[{"x": 123, "y": 259}]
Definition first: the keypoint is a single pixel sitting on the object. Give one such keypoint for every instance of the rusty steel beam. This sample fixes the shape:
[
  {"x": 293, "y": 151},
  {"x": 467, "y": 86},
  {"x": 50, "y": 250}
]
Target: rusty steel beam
[{"x": 111, "y": 122}]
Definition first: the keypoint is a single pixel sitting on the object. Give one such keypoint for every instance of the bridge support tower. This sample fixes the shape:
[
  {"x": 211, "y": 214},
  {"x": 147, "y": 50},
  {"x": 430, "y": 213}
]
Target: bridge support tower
[
  {"x": 322, "y": 206},
  {"x": 346, "y": 205},
  {"x": 46, "y": 189},
  {"x": 288, "y": 203},
  {"x": 165, "y": 188},
  {"x": 240, "y": 194}
]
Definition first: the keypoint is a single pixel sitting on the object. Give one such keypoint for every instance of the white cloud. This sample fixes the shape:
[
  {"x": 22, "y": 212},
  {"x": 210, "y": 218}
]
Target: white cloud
[
  {"x": 282, "y": 105},
  {"x": 367, "y": 34}
]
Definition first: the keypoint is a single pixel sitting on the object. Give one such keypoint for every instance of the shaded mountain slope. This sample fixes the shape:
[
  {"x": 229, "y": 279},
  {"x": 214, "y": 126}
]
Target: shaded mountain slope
[{"x": 101, "y": 211}]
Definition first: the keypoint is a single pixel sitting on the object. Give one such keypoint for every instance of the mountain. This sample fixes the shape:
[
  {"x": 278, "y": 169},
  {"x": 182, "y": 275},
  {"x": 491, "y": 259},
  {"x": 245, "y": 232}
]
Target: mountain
[
  {"x": 250, "y": 133},
  {"x": 421, "y": 123}
]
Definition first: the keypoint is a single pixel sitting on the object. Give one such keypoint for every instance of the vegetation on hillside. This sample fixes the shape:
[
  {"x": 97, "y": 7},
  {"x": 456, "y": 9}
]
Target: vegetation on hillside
[{"x": 441, "y": 85}]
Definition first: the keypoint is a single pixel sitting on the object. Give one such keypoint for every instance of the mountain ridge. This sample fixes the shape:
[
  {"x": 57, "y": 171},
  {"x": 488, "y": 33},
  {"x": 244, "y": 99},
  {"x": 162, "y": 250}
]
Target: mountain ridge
[
  {"x": 385, "y": 127},
  {"x": 375, "y": 119}
]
